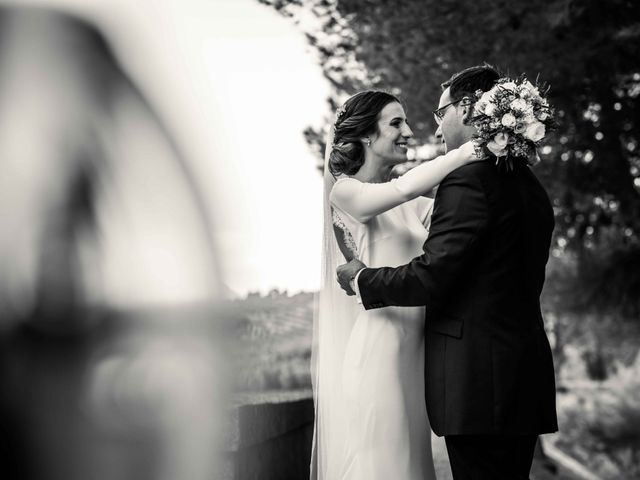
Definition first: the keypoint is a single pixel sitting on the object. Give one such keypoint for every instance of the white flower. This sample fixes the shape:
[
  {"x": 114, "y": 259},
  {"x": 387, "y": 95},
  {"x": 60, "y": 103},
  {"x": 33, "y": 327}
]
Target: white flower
[
  {"x": 542, "y": 115},
  {"x": 508, "y": 120},
  {"x": 528, "y": 85},
  {"x": 498, "y": 146},
  {"x": 487, "y": 97},
  {"x": 479, "y": 108},
  {"x": 529, "y": 89},
  {"x": 502, "y": 139},
  {"x": 520, "y": 127},
  {"x": 490, "y": 109},
  {"x": 535, "y": 131},
  {"x": 519, "y": 104},
  {"x": 511, "y": 86}
]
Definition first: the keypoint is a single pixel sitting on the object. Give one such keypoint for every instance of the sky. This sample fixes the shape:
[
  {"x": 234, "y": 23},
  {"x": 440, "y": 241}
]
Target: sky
[
  {"x": 268, "y": 92},
  {"x": 237, "y": 84},
  {"x": 252, "y": 86}
]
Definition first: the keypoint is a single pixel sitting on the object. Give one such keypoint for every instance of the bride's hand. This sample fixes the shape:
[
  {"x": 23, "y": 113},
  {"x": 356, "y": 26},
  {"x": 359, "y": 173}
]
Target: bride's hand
[{"x": 469, "y": 152}]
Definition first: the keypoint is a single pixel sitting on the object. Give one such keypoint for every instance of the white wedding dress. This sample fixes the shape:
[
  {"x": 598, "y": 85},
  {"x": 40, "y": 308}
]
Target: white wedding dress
[
  {"x": 368, "y": 366},
  {"x": 387, "y": 432}
]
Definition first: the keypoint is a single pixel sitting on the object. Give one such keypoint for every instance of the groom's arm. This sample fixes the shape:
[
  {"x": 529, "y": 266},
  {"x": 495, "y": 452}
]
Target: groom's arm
[{"x": 459, "y": 219}]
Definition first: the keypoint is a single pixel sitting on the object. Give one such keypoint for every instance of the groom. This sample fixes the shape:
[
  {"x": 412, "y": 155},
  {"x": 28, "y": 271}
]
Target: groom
[{"x": 489, "y": 377}]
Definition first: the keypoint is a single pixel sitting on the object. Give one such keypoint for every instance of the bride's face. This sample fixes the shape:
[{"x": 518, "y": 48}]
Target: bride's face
[{"x": 390, "y": 143}]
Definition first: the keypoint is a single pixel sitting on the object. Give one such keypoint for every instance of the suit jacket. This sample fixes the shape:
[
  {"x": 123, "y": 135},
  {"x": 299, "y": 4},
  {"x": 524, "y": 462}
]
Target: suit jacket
[{"x": 488, "y": 363}]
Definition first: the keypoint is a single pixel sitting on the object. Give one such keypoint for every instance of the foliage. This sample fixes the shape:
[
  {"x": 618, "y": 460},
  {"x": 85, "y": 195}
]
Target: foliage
[
  {"x": 597, "y": 363},
  {"x": 587, "y": 50},
  {"x": 588, "y": 347},
  {"x": 600, "y": 424}
]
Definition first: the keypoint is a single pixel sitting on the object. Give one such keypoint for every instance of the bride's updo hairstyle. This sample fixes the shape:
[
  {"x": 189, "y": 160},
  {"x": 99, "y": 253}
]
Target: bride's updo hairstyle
[{"x": 356, "y": 119}]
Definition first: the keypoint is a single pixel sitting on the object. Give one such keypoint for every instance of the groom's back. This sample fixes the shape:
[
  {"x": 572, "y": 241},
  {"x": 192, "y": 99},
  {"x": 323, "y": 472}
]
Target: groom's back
[
  {"x": 507, "y": 271},
  {"x": 489, "y": 365},
  {"x": 513, "y": 252}
]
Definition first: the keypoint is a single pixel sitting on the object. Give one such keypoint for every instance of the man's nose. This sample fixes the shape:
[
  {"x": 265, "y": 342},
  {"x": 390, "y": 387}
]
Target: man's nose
[{"x": 439, "y": 133}]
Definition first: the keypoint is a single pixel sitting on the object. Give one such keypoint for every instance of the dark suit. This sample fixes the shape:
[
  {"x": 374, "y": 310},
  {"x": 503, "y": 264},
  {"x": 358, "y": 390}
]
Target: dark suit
[{"x": 488, "y": 367}]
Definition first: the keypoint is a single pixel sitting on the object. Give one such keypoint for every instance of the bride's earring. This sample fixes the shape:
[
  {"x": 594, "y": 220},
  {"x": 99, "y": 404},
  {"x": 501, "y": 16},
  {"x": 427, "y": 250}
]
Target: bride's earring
[{"x": 368, "y": 142}]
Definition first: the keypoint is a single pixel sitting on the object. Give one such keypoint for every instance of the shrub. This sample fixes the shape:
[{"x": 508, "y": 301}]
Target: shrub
[{"x": 600, "y": 426}]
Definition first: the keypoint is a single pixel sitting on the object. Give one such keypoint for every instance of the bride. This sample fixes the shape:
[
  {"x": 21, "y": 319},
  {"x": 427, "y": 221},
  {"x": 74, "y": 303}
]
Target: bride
[{"x": 371, "y": 421}]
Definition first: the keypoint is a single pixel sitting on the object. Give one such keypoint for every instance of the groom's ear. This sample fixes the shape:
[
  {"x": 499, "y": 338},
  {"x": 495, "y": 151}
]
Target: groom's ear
[{"x": 466, "y": 104}]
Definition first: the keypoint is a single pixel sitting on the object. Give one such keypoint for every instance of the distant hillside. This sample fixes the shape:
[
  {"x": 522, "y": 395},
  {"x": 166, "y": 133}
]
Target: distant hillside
[{"x": 275, "y": 337}]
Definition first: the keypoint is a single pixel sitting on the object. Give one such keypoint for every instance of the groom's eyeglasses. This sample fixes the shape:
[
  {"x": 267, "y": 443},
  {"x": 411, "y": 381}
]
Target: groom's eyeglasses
[{"x": 438, "y": 113}]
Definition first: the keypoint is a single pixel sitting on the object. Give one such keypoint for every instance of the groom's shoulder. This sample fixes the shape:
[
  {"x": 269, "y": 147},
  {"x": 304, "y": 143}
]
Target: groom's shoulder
[{"x": 471, "y": 172}]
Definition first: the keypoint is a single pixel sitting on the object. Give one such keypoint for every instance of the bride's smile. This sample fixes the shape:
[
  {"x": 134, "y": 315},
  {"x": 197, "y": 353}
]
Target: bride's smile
[{"x": 389, "y": 146}]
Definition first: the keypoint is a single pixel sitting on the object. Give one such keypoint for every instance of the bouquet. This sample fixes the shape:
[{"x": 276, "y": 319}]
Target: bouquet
[{"x": 512, "y": 119}]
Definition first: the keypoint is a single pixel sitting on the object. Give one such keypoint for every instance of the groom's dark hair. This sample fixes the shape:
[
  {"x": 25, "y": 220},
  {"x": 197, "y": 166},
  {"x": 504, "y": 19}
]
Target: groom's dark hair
[{"x": 468, "y": 81}]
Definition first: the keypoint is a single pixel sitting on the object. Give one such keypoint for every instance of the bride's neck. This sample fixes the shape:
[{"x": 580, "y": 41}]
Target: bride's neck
[{"x": 373, "y": 172}]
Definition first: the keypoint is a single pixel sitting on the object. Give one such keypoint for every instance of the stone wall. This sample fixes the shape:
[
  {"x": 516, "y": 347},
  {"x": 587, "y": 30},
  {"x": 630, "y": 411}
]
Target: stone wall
[{"x": 269, "y": 437}]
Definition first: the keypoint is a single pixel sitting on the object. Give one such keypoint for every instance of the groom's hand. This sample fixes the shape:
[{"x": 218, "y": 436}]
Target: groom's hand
[{"x": 347, "y": 272}]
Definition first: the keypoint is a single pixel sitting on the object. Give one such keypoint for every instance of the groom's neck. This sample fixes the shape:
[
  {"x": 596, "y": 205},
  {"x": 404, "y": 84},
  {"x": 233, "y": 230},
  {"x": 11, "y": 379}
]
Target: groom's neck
[
  {"x": 460, "y": 135},
  {"x": 467, "y": 134}
]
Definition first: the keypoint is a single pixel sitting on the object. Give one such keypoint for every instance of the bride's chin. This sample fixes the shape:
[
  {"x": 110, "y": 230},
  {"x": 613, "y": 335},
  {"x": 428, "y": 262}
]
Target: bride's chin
[
  {"x": 394, "y": 162},
  {"x": 397, "y": 159}
]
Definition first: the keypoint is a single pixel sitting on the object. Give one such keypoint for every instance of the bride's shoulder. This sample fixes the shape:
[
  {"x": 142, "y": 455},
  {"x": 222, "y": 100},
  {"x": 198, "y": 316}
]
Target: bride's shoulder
[
  {"x": 343, "y": 187},
  {"x": 344, "y": 178}
]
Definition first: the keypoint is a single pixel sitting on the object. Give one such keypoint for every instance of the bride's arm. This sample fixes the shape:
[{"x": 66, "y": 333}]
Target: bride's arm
[{"x": 364, "y": 201}]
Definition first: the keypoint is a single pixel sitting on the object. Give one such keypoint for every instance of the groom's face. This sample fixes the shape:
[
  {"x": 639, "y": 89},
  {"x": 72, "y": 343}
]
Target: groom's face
[{"x": 452, "y": 131}]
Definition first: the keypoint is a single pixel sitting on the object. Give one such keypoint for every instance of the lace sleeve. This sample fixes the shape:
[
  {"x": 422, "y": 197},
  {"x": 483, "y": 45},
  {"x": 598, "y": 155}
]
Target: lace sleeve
[{"x": 345, "y": 240}]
